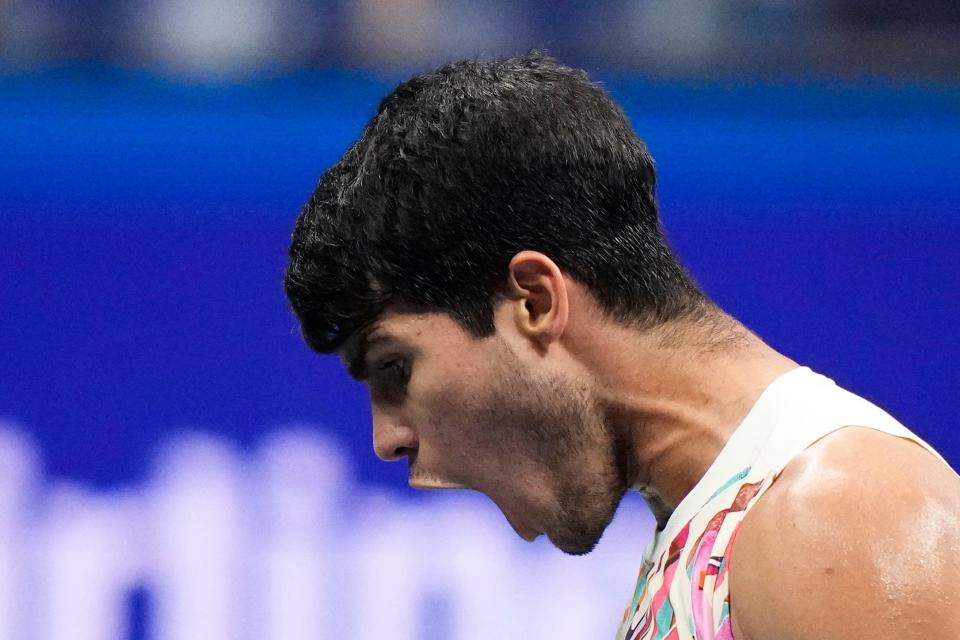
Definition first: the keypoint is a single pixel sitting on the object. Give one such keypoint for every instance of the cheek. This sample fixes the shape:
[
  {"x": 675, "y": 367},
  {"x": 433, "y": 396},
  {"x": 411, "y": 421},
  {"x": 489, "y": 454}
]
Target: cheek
[
  {"x": 471, "y": 418},
  {"x": 466, "y": 430},
  {"x": 445, "y": 391},
  {"x": 454, "y": 419}
]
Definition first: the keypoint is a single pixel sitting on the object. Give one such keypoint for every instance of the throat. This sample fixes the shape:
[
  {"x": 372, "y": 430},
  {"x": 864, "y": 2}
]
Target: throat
[{"x": 658, "y": 505}]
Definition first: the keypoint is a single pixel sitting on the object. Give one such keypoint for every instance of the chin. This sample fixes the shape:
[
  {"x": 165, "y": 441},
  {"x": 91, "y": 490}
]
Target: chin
[
  {"x": 578, "y": 536},
  {"x": 579, "y": 550},
  {"x": 576, "y": 542}
]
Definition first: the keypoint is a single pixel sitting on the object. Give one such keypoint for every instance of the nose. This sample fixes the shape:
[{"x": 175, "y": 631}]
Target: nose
[{"x": 391, "y": 439}]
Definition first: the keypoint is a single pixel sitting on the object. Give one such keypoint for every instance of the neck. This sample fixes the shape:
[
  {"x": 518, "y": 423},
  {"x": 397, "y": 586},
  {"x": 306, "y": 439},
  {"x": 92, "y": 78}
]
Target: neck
[{"x": 672, "y": 398}]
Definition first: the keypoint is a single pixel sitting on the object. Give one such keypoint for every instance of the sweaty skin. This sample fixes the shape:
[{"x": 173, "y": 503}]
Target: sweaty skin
[{"x": 858, "y": 538}]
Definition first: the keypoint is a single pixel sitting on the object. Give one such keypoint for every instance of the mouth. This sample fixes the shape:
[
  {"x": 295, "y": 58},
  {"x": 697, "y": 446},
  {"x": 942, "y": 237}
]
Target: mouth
[
  {"x": 432, "y": 484},
  {"x": 426, "y": 481}
]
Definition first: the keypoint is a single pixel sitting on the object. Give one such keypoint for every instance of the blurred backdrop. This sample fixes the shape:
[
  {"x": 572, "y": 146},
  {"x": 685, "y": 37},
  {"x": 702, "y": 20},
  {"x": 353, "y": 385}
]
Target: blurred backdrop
[{"x": 175, "y": 464}]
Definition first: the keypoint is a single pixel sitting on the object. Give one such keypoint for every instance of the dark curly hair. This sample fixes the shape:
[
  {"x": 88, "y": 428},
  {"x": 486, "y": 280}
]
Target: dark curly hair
[{"x": 460, "y": 169}]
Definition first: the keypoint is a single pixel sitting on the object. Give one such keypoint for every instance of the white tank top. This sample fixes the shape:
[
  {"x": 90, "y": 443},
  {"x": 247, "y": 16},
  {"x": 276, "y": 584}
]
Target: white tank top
[{"x": 682, "y": 590}]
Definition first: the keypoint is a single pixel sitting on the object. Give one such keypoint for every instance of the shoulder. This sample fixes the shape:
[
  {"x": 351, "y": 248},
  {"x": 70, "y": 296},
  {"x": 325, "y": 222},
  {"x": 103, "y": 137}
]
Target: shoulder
[{"x": 857, "y": 538}]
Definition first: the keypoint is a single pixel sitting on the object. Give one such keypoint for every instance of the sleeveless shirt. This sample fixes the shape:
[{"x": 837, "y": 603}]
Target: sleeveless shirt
[{"x": 682, "y": 590}]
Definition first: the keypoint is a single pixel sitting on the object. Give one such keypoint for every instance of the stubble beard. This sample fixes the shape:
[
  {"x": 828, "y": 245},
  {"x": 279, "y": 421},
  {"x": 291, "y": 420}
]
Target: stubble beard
[{"x": 563, "y": 433}]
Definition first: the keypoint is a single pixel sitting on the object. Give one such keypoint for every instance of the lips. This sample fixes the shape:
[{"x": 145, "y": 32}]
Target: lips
[
  {"x": 418, "y": 479},
  {"x": 433, "y": 483}
]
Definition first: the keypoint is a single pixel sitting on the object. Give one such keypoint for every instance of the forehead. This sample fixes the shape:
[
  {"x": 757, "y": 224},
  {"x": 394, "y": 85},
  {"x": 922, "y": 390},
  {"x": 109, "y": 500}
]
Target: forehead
[
  {"x": 411, "y": 325},
  {"x": 414, "y": 327},
  {"x": 421, "y": 331}
]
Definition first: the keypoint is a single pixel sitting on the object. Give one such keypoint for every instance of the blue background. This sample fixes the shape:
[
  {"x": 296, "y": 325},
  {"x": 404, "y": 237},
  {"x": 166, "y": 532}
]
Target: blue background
[{"x": 144, "y": 225}]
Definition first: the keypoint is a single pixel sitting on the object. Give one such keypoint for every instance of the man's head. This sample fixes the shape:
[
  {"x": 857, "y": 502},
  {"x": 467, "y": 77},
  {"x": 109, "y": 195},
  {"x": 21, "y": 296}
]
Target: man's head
[{"x": 454, "y": 255}]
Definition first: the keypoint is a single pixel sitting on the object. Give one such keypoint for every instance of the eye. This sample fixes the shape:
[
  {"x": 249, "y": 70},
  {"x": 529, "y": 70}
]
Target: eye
[
  {"x": 394, "y": 370},
  {"x": 388, "y": 384}
]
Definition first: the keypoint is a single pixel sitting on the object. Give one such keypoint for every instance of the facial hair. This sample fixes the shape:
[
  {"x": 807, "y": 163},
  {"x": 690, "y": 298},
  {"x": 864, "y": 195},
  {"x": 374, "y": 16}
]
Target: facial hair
[{"x": 551, "y": 422}]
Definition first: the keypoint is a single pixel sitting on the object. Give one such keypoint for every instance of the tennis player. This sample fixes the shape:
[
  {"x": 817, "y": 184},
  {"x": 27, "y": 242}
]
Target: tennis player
[{"x": 488, "y": 258}]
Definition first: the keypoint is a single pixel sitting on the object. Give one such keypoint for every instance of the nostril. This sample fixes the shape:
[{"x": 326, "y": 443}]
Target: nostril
[{"x": 392, "y": 441}]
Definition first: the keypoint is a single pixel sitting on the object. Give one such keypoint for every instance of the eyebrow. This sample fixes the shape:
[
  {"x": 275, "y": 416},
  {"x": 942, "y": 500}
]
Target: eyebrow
[{"x": 357, "y": 356}]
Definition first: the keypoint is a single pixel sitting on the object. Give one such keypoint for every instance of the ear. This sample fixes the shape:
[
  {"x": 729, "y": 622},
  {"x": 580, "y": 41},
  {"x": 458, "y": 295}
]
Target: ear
[{"x": 538, "y": 293}]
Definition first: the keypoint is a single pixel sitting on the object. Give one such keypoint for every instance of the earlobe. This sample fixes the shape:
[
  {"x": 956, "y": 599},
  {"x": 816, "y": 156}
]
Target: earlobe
[{"x": 540, "y": 295}]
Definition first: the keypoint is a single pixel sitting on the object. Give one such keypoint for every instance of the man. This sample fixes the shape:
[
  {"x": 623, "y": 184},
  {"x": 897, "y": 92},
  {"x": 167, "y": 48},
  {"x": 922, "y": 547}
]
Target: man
[{"x": 488, "y": 258}]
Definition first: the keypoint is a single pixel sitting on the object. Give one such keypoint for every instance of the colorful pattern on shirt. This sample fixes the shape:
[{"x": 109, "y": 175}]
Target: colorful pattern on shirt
[{"x": 683, "y": 594}]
